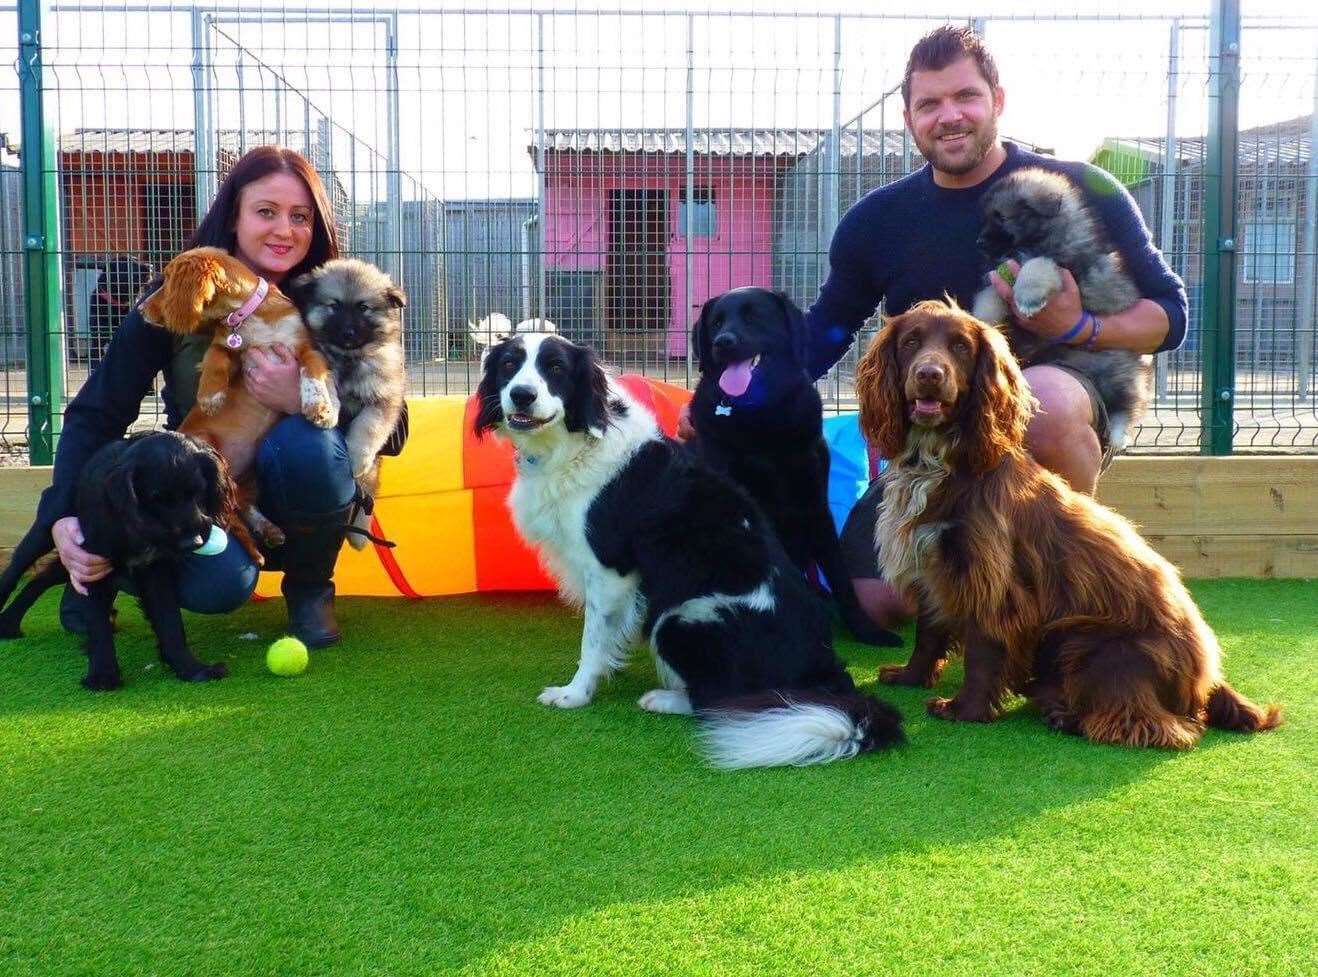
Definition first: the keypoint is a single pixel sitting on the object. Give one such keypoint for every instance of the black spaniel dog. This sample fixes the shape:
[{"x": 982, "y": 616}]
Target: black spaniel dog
[
  {"x": 759, "y": 420},
  {"x": 143, "y": 503}
]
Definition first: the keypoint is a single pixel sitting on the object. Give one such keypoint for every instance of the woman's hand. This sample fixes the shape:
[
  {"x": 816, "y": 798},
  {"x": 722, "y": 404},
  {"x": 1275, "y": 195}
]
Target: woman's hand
[
  {"x": 273, "y": 377},
  {"x": 83, "y": 567}
]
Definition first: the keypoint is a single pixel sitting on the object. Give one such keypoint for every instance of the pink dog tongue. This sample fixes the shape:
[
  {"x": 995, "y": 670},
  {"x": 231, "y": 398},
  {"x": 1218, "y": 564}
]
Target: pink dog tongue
[{"x": 736, "y": 378}]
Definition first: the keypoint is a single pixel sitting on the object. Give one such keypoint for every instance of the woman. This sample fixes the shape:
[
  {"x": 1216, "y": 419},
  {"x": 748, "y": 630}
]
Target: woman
[{"x": 271, "y": 213}]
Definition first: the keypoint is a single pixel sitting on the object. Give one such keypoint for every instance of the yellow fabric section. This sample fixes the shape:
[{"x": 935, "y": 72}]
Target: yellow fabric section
[
  {"x": 432, "y": 458},
  {"x": 422, "y": 507},
  {"x": 436, "y": 548}
]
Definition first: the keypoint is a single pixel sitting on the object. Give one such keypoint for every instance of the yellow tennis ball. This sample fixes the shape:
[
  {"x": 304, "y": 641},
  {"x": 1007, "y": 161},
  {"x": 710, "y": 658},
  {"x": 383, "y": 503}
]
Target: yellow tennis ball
[{"x": 287, "y": 656}]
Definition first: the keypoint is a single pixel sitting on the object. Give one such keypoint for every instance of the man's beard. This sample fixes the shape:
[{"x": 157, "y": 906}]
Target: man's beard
[{"x": 981, "y": 142}]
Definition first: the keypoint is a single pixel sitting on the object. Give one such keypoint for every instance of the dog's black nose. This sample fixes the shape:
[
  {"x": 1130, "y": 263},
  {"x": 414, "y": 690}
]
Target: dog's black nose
[
  {"x": 522, "y": 397},
  {"x": 724, "y": 341},
  {"x": 930, "y": 373}
]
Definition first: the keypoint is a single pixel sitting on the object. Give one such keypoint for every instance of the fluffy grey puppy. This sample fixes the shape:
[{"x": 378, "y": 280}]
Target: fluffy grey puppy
[
  {"x": 354, "y": 312},
  {"x": 1040, "y": 219}
]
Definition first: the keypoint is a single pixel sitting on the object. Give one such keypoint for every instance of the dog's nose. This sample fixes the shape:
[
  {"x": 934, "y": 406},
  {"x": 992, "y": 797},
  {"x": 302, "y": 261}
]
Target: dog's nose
[
  {"x": 522, "y": 397},
  {"x": 929, "y": 374},
  {"x": 724, "y": 341}
]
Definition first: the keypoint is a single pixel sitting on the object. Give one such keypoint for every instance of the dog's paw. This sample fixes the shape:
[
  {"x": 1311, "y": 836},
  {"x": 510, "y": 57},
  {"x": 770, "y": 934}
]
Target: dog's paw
[
  {"x": 564, "y": 696},
  {"x": 207, "y": 673},
  {"x": 989, "y": 307},
  {"x": 272, "y": 536},
  {"x": 1039, "y": 280},
  {"x": 103, "y": 681},
  {"x": 905, "y": 675},
  {"x": 362, "y": 460},
  {"x": 957, "y": 710},
  {"x": 212, "y": 404},
  {"x": 316, "y": 406},
  {"x": 668, "y": 701}
]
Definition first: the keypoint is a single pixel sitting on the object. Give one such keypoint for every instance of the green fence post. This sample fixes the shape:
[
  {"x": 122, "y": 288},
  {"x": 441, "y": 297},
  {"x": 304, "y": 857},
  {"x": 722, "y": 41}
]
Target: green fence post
[
  {"x": 1217, "y": 314},
  {"x": 45, "y": 354}
]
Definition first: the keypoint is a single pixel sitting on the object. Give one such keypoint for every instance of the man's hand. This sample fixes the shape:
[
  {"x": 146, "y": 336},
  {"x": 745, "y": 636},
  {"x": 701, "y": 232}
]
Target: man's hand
[
  {"x": 1055, "y": 319},
  {"x": 685, "y": 432},
  {"x": 272, "y": 376},
  {"x": 83, "y": 567}
]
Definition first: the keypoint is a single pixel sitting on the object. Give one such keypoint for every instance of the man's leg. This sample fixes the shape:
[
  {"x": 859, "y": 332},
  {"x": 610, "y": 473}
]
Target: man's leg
[
  {"x": 1061, "y": 435},
  {"x": 876, "y": 597}
]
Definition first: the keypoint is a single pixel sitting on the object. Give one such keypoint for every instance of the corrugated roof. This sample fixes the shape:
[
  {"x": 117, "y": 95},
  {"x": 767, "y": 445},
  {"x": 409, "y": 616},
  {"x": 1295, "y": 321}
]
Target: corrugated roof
[
  {"x": 710, "y": 142},
  {"x": 155, "y": 140},
  {"x": 1279, "y": 144}
]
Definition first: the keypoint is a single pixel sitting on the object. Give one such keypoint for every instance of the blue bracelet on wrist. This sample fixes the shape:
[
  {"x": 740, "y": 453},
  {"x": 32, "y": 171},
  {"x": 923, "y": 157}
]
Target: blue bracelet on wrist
[
  {"x": 1085, "y": 317},
  {"x": 1093, "y": 336}
]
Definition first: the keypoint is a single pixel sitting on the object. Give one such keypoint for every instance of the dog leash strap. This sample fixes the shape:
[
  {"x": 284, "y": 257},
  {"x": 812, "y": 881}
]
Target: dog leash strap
[{"x": 235, "y": 319}]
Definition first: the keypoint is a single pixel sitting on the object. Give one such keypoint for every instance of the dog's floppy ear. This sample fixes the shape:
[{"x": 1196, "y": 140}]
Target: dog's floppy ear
[
  {"x": 796, "y": 327},
  {"x": 300, "y": 290},
  {"x": 221, "y": 492},
  {"x": 396, "y": 297},
  {"x": 999, "y": 406},
  {"x": 120, "y": 493},
  {"x": 192, "y": 281},
  {"x": 588, "y": 407},
  {"x": 881, "y": 393},
  {"x": 700, "y": 338},
  {"x": 489, "y": 411}
]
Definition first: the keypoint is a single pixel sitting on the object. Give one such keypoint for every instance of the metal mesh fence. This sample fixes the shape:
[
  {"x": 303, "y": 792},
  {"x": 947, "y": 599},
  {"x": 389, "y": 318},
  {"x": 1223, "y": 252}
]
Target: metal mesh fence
[{"x": 609, "y": 171}]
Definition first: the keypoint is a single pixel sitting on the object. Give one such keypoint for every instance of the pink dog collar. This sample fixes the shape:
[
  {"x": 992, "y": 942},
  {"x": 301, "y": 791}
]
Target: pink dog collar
[{"x": 235, "y": 319}]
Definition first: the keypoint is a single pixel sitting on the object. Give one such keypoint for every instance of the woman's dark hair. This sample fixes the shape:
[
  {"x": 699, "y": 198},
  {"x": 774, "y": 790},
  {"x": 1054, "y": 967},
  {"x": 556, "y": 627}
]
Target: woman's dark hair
[
  {"x": 216, "y": 229},
  {"x": 943, "y": 46}
]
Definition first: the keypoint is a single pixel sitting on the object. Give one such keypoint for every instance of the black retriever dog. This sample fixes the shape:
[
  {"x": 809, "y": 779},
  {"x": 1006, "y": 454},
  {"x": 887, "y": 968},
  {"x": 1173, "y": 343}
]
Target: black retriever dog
[
  {"x": 759, "y": 419},
  {"x": 142, "y": 502}
]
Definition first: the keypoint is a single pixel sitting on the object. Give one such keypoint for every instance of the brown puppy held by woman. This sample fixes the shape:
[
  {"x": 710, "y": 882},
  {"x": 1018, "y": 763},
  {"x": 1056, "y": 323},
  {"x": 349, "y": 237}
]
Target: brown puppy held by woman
[
  {"x": 1051, "y": 595},
  {"x": 207, "y": 290}
]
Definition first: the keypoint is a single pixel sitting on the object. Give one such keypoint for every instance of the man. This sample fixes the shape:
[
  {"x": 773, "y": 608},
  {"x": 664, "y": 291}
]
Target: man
[{"x": 915, "y": 239}]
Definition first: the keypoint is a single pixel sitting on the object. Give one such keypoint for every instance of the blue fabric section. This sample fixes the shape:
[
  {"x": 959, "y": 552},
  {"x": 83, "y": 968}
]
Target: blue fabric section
[
  {"x": 303, "y": 470},
  {"x": 849, "y": 470}
]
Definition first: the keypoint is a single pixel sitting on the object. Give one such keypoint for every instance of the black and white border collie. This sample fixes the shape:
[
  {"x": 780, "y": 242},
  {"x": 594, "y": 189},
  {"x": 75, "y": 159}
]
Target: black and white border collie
[{"x": 652, "y": 543}]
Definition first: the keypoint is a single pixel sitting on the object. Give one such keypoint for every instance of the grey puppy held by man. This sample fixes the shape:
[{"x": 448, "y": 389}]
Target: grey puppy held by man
[{"x": 354, "y": 312}]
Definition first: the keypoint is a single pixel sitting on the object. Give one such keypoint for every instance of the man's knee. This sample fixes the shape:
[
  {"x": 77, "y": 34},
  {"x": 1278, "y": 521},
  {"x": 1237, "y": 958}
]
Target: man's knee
[{"x": 1061, "y": 434}]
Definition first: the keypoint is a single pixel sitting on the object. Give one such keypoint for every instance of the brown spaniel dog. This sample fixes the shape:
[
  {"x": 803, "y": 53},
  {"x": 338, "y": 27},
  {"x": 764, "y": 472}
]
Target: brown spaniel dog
[{"x": 1050, "y": 594}]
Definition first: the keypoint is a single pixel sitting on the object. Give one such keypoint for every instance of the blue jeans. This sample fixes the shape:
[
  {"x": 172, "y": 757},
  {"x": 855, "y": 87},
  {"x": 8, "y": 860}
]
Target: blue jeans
[{"x": 302, "y": 471}]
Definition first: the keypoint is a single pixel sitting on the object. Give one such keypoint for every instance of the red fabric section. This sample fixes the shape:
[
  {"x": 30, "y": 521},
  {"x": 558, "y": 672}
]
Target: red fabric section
[
  {"x": 503, "y": 560},
  {"x": 391, "y": 567},
  {"x": 487, "y": 460}
]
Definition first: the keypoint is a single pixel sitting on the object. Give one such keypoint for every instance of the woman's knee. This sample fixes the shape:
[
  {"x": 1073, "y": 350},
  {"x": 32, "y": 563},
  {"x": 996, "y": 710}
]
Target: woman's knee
[
  {"x": 303, "y": 468},
  {"x": 217, "y": 584}
]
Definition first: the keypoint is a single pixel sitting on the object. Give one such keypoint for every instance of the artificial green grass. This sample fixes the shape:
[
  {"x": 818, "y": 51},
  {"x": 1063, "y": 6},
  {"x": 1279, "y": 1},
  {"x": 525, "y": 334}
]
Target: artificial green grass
[{"x": 406, "y": 807}]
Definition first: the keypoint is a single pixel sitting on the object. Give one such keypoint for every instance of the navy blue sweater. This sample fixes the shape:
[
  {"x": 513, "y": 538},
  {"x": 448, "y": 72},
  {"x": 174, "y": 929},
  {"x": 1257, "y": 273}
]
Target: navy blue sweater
[{"x": 914, "y": 240}]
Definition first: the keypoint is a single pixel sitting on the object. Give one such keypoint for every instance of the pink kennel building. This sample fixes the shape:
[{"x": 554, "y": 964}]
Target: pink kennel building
[{"x": 621, "y": 237}]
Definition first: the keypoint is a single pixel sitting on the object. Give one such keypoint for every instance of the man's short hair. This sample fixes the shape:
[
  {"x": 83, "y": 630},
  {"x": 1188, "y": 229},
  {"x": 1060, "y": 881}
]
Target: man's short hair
[{"x": 943, "y": 46}]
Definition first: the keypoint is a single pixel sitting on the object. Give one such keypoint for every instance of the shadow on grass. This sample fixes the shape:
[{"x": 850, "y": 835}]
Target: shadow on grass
[{"x": 409, "y": 788}]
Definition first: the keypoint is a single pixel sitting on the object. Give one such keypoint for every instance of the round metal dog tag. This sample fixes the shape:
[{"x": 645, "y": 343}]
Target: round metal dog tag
[{"x": 235, "y": 341}]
